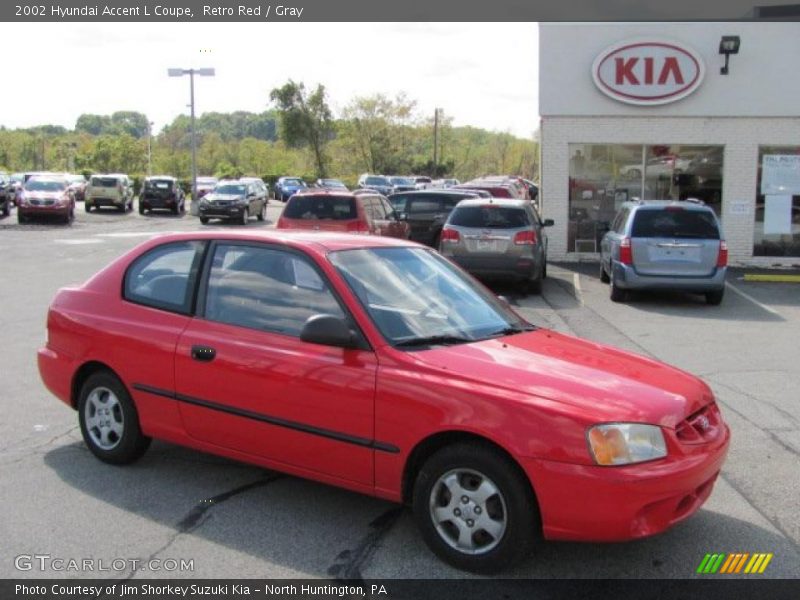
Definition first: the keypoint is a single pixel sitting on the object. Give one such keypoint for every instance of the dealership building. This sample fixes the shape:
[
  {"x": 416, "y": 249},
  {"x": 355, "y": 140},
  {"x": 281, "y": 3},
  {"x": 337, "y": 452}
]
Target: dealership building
[{"x": 709, "y": 111}]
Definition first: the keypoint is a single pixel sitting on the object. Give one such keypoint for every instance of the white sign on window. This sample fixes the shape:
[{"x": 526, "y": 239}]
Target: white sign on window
[
  {"x": 778, "y": 215},
  {"x": 780, "y": 174}
]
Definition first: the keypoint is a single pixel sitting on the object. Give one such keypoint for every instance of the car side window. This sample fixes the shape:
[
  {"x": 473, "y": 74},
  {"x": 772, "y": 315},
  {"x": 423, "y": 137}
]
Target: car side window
[
  {"x": 387, "y": 208},
  {"x": 266, "y": 289},
  {"x": 619, "y": 223},
  {"x": 164, "y": 277}
]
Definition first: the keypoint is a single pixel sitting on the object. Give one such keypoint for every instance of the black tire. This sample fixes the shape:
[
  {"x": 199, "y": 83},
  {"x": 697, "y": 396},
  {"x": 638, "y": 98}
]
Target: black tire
[
  {"x": 69, "y": 217},
  {"x": 141, "y": 209},
  {"x": 262, "y": 214},
  {"x": 204, "y": 220},
  {"x": 513, "y": 504},
  {"x": 21, "y": 219},
  {"x": 245, "y": 215},
  {"x": 617, "y": 294},
  {"x": 715, "y": 298},
  {"x": 6, "y": 209},
  {"x": 114, "y": 436},
  {"x": 544, "y": 267},
  {"x": 176, "y": 210},
  {"x": 87, "y": 207},
  {"x": 534, "y": 286},
  {"x": 604, "y": 278}
]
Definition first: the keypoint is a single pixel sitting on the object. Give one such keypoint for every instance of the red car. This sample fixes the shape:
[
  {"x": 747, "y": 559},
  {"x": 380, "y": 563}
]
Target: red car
[
  {"x": 360, "y": 211},
  {"x": 376, "y": 365},
  {"x": 46, "y": 196}
]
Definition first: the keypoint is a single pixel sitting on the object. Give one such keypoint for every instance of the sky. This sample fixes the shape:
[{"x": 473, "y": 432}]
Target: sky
[{"x": 482, "y": 74}]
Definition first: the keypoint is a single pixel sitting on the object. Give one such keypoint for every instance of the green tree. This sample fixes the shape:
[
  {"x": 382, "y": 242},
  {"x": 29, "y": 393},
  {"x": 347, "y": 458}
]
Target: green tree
[{"x": 306, "y": 120}]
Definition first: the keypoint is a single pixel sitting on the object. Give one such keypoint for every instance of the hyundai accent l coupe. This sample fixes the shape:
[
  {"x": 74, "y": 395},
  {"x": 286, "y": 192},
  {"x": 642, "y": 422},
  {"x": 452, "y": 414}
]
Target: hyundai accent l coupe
[{"x": 376, "y": 365}]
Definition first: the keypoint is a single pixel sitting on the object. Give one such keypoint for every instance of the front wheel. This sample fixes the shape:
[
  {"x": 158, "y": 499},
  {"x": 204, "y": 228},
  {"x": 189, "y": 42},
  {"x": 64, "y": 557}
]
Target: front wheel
[
  {"x": 474, "y": 508},
  {"x": 109, "y": 421},
  {"x": 204, "y": 220},
  {"x": 245, "y": 215}
]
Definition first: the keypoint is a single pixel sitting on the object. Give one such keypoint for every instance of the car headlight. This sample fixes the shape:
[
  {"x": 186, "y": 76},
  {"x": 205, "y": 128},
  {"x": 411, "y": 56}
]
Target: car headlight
[{"x": 626, "y": 443}]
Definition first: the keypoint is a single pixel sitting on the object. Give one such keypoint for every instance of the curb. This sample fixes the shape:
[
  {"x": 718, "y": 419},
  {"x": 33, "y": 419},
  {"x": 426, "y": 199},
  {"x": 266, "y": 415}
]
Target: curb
[{"x": 774, "y": 278}]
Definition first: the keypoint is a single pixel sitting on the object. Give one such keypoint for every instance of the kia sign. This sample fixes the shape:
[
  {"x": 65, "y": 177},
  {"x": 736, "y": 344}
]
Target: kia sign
[{"x": 648, "y": 72}]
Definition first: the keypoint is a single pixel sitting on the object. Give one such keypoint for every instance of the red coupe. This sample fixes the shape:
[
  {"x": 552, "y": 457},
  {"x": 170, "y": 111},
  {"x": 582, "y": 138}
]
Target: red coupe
[{"x": 376, "y": 365}]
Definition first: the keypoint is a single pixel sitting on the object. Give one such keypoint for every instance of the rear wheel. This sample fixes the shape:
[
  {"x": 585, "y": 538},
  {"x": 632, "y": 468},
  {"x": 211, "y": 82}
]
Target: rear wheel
[
  {"x": 204, "y": 220},
  {"x": 474, "y": 508},
  {"x": 262, "y": 214},
  {"x": 715, "y": 298},
  {"x": 109, "y": 421},
  {"x": 603, "y": 275},
  {"x": 21, "y": 218},
  {"x": 617, "y": 293},
  {"x": 87, "y": 207}
]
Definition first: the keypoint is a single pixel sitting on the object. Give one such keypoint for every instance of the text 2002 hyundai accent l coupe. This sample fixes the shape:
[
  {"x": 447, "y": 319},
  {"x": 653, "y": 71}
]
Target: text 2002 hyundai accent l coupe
[{"x": 376, "y": 365}]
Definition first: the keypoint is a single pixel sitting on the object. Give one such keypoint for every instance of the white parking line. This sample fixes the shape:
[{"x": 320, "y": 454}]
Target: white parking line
[
  {"x": 576, "y": 283},
  {"x": 753, "y": 300}
]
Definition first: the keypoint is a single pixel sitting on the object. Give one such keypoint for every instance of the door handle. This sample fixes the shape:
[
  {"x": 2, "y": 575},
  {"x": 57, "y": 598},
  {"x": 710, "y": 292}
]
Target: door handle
[{"x": 203, "y": 353}]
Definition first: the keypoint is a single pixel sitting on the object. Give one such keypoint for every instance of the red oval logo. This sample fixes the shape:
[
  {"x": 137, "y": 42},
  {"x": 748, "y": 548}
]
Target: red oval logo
[{"x": 648, "y": 72}]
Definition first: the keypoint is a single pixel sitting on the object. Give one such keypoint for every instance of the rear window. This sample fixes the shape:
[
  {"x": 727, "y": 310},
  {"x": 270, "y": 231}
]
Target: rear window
[
  {"x": 377, "y": 181},
  {"x": 675, "y": 223},
  {"x": 104, "y": 182},
  {"x": 490, "y": 217},
  {"x": 321, "y": 207},
  {"x": 161, "y": 184}
]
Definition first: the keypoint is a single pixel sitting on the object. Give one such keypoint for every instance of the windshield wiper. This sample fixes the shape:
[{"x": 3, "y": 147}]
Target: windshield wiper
[
  {"x": 434, "y": 340},
  {"x": 511, "y": 330}
]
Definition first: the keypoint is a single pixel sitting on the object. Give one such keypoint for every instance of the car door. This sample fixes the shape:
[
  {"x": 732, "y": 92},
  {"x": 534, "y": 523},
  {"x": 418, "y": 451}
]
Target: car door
[
  {"x": 394, "y": 226},
  {"x": 246, "y": 380}
]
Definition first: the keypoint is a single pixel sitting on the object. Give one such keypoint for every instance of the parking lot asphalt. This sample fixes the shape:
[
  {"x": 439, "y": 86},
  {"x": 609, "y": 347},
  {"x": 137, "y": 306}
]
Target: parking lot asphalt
[{"x": 235, "y": 520}]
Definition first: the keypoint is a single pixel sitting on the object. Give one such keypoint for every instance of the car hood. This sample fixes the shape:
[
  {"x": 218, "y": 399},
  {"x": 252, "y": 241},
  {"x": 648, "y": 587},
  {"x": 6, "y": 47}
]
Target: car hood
[
  {"x": 603, "y": 383},
  {"x": 43, "y": 195},
  {"x": 224, "y": 197}
]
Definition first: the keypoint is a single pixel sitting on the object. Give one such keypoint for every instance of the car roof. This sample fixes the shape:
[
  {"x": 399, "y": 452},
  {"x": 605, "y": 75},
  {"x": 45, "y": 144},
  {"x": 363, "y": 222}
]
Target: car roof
[
  {"x": 436, "y": 192},
  {"x": 313, "y": 241},
  {"x": 502, "y": 202}
]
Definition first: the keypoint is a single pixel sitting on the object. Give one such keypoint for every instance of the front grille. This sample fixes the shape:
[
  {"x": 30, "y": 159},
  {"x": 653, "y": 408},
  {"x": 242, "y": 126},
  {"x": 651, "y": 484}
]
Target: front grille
[
  {"x": 700, "y": 427},
  {"x": 42, "y": 202}
]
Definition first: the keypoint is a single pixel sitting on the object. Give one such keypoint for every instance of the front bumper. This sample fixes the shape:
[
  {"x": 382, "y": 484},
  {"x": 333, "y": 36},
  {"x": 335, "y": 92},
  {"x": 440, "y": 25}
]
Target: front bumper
[
  {"x": 608, "y": 504},
  {"x": 43, "y": 210},
  {"x": 626, "y": 277},
  {"x": 222, "y": 212}
]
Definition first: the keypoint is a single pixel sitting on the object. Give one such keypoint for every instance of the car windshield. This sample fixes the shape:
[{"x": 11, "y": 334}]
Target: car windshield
[
  {"x": 321, "y": 207},
  {"x": 489, "y": 216},
  {"x": 675, "y": 223},
  {"x": 233, "y": 190},
  {"x": 377, "y": 181},
  {"x": 417, "y": 298},
  {"x": 402, "y": 181},
  {"x": 43, "y": 185},
  {"x": 293, "y": 182}
]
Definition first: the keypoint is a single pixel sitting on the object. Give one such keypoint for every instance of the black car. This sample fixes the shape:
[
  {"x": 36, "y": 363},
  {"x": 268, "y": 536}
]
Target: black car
[
  {"x": 426, "y": 211},
  {"x": 163, "y": 193},
  {"x": 233, "y": 201},
  {"x": 7, "y": 191}
]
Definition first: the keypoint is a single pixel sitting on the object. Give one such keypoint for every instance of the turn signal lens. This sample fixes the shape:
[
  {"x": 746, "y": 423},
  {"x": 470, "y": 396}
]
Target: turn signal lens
[
  {"x": 626, "y": 443},
  {"x": 625, "y": 252},
  {"x": 722, "y": 257}
]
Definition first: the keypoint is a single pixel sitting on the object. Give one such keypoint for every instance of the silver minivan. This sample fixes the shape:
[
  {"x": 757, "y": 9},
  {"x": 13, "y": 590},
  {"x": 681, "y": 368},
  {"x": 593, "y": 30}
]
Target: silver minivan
[
  {"x": 664, "y": 245},
  {"x": 498, "y": 238}
]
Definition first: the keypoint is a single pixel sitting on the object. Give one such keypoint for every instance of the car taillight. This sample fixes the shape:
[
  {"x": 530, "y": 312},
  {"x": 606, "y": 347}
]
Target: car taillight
[
  {"x": 358, "y": 226},
  {"x": 450, "y": 236},
  {"x": 722, "y": 256},
  {"x": 625, "y": 252},
  {"x": 525, "y": 238}
]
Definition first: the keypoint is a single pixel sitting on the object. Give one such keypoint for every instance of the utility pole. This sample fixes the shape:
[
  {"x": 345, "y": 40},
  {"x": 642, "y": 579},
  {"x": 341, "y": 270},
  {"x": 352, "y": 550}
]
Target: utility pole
[
  {"x": 149, "y": 148},
  {"x": 435, "y": 142}
]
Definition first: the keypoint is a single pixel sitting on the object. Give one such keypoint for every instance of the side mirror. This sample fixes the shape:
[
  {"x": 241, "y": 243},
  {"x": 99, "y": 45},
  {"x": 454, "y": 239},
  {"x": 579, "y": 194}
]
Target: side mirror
[
  {"x": 328, "y": 331},
  {"x": 548, "y": 223}
]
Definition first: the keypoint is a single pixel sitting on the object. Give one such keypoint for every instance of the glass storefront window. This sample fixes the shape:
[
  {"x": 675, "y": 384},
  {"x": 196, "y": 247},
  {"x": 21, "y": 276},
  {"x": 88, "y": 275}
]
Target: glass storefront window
[
  {"x": 777, "y": 216},
  {"x": 603, "y": 176}
]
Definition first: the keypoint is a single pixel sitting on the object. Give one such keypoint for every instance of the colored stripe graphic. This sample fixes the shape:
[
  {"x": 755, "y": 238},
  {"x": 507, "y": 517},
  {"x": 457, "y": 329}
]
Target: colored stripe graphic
[
  {"x": 766, "y": 562},
  {"x": 741, "y": 561},
  {"x": 734, "y": 563},
  {"x": 731, "y": 560},
  {"x": 703, "y": 563}
]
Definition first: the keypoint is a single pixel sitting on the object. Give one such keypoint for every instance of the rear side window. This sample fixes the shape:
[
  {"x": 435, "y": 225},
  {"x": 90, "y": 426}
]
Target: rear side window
[
  {"x": 491, "y": 217},
  {"x": 164, "y": 277},
  {"x": 423, "y": 205},
  {"x": 321, "y": 207},
  {"x": 675, "y": 223}
]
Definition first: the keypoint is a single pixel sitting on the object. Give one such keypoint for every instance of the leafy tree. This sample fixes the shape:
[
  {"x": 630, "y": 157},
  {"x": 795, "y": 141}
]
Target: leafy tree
[
  {"x": 306, "y": 120},
  {"x": 93, "y": 124}
]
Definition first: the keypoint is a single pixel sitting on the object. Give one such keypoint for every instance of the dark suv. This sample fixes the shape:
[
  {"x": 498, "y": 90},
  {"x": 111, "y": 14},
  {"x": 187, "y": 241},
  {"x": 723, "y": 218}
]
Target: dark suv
[
  {"x": 426, "y": 211},
  {"x": 234, "y": 201},
  {"x": 664, "y": 245},
  {"x": 162, "y": 192}
]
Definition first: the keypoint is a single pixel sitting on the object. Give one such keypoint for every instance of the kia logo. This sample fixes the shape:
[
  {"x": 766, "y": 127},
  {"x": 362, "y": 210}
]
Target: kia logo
[{"x": 646, "y": 72}]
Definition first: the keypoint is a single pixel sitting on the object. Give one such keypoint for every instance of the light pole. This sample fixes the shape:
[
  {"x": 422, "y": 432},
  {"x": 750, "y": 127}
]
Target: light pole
[{"x": 208, "y": 72}]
